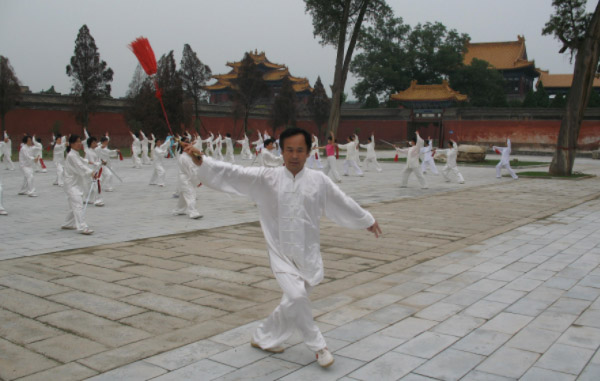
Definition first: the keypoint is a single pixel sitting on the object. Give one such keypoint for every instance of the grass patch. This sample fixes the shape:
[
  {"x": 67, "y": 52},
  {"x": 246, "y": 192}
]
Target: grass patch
[{"x": 546, "y": 175}]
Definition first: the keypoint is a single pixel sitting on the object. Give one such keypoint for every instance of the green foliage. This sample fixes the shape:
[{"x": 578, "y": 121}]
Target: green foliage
[
  {"x": 90, "y": 76},
  {"x": 594, "y": 99},
  {"x": 10, "y": 90},
  {"x": 568, "y": 24},
  {"x": 56, "y": 127},
  {"x": 529, "y": 100},
  {"x": 284, "y": 110},
  {"x": 393, "y": 54},
  {"x": 371, "y": 102},
  {"x": 171, "y": 85},
  {"x": 541, "y": 96},
  {"x": 559, "y": 101},
  {"x": 194, "y": 75},
  {"x": 249, "y": 88},
  {"x": 319, "y": 105},
  {"x": 481, "y": 83}
]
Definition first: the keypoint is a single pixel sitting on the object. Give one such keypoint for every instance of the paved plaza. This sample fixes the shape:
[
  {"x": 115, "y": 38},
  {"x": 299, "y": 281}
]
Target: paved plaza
[{"x": 490, "y": 280}]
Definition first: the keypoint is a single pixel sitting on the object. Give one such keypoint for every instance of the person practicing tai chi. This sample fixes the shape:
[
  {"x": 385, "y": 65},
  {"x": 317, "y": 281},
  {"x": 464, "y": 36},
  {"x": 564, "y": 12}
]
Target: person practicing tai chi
[
  {"x": 144, "y": 141},
  {"x": 412, "y": 161},
  {"x": 77, "y": 176},
  {"x": 6, "y": 152},
  {"x": 246, "y": 153},
  {"x": 160, "y": 152},
  {"x": 451, "y": 155},
  {"x": 209, "y": 144},
  {"x": 152, "y": 141},
  {"x": 136, "y": 150},
  {"x": 106, "y": 155},
  {"x": 350, "y": 161},
  {"x": 371, "y": 157},
  {"x": 91, "y": 156},
  {"x": 187, "y": 184},
  {"x": 229, "y": 149},
  {"x": 291, "y": 200},
  {"x": 3, "y": 211},
  {"x": 60, "y": 145},
  {"x": 331, "y": 164},
  {"x": 37, "y": 151},
  {"x": 314, "y": 159},
  {"x": 26, "y": 161},
  {"x": 428, "y": 161},
  {"x": 504, "y": 153},
  {"x": 268, "y": 155}
]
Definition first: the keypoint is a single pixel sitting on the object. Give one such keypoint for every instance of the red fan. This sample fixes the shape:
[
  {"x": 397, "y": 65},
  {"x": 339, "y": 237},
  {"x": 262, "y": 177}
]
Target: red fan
[
  {"x": 145, "y": 55},
  {"x": 396, "y": 157}
]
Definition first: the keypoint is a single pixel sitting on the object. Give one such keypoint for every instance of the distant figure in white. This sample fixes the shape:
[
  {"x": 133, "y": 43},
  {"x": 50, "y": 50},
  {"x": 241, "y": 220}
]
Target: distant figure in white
[
  {"x": 160, "y": 152},
  {"x": 246, "y": 153},
  {"x": 106, "y": 155},
  {"x": 451, "y": 155},
  {"x": 6, "y": 152},
  {"x": 428, "y": 161},
  {"x": 412, "y": 161},
  {"x": 145, "y": 141},
  {"x": 229, "y": 149},
  {"x": 314, "y": 160},
  {"x": 136, "y": 150},
  {"x": 3, "y": 211},
  {"x": 504, "y": 160},
  {"x": 60, "y": 145},
  {"x": 26, "y": 161},
  {"x": 187, "y": 184},
  {"x": 350, "y": 161},
  {"x": 77, "y": 177},
  {"x": 269, "y": 156},
  {"x": 371, "y": 158}
]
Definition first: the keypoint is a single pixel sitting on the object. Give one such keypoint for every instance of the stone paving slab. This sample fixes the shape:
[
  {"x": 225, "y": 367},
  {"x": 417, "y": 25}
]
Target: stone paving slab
[{"x": 457, "y": 297}]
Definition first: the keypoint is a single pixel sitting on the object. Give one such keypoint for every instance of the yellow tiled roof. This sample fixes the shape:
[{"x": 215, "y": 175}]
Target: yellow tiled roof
[
  {"x": 441, "y": 92},
  {"x": 560, "y": 80},
  {"x": 500, "y": 55}
]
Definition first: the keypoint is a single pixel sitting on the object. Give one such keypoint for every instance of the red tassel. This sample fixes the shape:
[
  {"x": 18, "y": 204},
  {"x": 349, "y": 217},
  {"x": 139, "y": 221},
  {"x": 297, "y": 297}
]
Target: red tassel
[
  {"x": 433, "y": 153},
  {"x": 316, "y": 156},
  {"x": 168, "y": 155},
  {"x": 120, "y": 156},
  {"x": 98, "y": 180},
  {"x": 42, "y": 163},
  {"x": 337, "y": 152},
  {"x": 144, "y": 53},
  {"x": 498, "y": 152},
  {"x": 396, "y": 157}
]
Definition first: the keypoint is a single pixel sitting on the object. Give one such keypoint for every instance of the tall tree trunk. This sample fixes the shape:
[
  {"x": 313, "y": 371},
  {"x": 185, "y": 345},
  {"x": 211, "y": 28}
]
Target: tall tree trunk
[
  {"x": 342, "y": 64},
  {"x": 198, "y": 120},
  {"x": 586, "y": 65}
]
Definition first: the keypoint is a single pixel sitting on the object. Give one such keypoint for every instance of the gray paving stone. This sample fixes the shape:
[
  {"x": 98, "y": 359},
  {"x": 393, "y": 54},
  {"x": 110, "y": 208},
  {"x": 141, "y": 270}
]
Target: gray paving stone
[
  {"x": 553, "y": 321},
  {"x": 391, "y": 314},
  {"x": 237, "y": 336},
  {"x": 266, "y": 369},
  {"x": 590, "y": 373},
  {"x": 390, "y": 366},
  {"x": 509, "y": 362},
  {"x": 451, "y": 364},
  {"x": 31, "y": 285},
  {"x": 408, "y": 328},
  {"x": 533, "y": 339},
  {"x": 487, "y": 285},
  {"x": 370, "y": 347},
  {"x": 523, "y": 284},
  {"x": 569, "y": 306},
  {"x": 17, "y": 361},
  {"x": 464, "y": 297},
  {"x": 302, "y": 355},
  {"x": 482, "y": 341},
  {"x": 174, "y": 307},
  {"x": 565, "y": 359},
  {"x": 66, "y": 348},
  {"x": 485, "y": 309},
  {"x": 186, "y": 355},
  {"x": 477, "y": 375},
  {"x": 68, "y": 372},
  {"x": 133, "y": 372},
  {"x": 240, "y": 356},
  {"x": 26, "y": 304},
  {"x": 507, "y": 323},
  {"x": 536, "y": 374},
  {"x": 585, "y": 337},
  {"x": 590, "y": 318},
  {"x": 458, "y": 325},
  {"x": 529, "y": 307},
  {"x": 505, "y": 296},
  {"x": 97, "y": 305},
  {"x": 582, "y": 292},
  {"x": 355, "y": 330},
  {"x": 427, "y": 344},
  {"x": 422, "y": 299},
  {"x": 201, "y": 370},
  {"x": 505, "y": 275},
  {"x": 94, "y": 286}
]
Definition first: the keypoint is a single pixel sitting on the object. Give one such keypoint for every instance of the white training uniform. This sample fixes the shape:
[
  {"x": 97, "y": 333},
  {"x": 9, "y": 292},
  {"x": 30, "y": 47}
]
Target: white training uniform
[
  {"x": 26, "y": 162},
  {"x": 2, "y": 210},
  {"x": 451, "y": 155},
  {"x": 77, "y": 178},
  {"x": 229, "y": 150},
  {"x": 314, "y": 158},
  {"x": 152, "y": 145},
  {"x": 208, "y": 141},
  {"x": 145, "y": 141},
  {"x": 246, "y": 153},
  {"x": 158, "y": 175},
  {"x": 331, "y": 166},
  {"x": 59, "y": 161},
  {"x": 105, "y": 155},
  {"x": 136, "y": 150},
  {"x": 412, "y": 163},
  {"x": 371, "y": 157},
  {"x": 428, "y": 159},
  {"x": 198, "y": 143},
  {"x": 504, "y": 160},
  {"x": 259, "y": 144},
  {"x": 6, "y": 152},
  {"x": 187, "y": 185},
  {"x": 92, "y": 158},
  {"x": 37, "y": 151},
  {"x": 350, "y": 161},
  {"x": 218, "y": 150},
  {"x": 290, "y": 209},
  {"x": 270, "y": 159}
]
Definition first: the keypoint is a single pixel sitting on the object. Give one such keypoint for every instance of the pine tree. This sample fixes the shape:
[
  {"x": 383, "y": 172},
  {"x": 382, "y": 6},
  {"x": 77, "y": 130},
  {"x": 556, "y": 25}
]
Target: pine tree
[
  {"x": 319, "y": 105},
  {"x": 284, "y": 110},
  {"x": 194, "y": 75},
  {"x": 10, "y": 90}
]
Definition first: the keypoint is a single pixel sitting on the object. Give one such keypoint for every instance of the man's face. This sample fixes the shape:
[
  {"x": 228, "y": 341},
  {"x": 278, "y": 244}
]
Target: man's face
[
  {"x": 29, "y": 142},
  {"x": 295, "y": 153},
  {"x": 269, "y": 146},
  {"x": 105, "y": 144},
  {"x": 94, "y": 145}
]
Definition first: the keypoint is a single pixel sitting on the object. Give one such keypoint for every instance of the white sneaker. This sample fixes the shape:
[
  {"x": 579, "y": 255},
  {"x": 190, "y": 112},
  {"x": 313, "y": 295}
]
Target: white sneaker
[
  {"x": 195, "y": 216},
  {"x": 67, "y": 227},
  {"x": 32, "y": 195},
  {"x": 86, "y": 231},
  {"x": 272, "y": 350},
  {"x": 324, "y": 357},
  {"x": 99, "y": 203},
  {"x": 3, "y": 213}
]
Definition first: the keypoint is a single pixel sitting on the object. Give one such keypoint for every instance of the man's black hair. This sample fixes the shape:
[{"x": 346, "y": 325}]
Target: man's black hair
[
  {"x": 293, "y": 132},
  {"x": 103, "y": 139},
  {"x": 90, "y": 140},
  {"x": 414, "y": 139},
  {"x": 228, "y": 135},
  {"x": 268, "y": 141},
  {"x": 25, "y": 138},
  {"x": 72, "y": 139}
]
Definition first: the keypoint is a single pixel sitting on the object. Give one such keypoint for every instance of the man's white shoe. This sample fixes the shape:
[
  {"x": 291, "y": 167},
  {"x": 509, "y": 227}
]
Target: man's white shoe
[
  {"x": 324, "y": 357},
  {"x": 272, "y": 350},
  {"x": 3, "y": 213},
  {"x": 86, "y": 231}
]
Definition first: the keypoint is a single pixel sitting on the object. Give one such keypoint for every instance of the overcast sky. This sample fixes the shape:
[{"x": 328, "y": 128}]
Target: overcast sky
[{"x": 38, "y": 36}]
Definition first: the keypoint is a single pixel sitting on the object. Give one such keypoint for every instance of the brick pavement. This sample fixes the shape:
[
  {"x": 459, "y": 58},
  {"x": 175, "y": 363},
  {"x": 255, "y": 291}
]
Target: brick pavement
[{"x": 486, "y": 275}]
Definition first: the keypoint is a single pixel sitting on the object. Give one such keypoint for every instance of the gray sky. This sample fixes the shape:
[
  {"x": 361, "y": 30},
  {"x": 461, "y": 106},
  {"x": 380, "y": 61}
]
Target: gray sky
[{"x": 38, "y": 36}]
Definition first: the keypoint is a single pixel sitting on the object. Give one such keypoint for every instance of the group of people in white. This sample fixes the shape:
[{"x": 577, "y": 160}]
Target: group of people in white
[{"x": 85, "y": 186}]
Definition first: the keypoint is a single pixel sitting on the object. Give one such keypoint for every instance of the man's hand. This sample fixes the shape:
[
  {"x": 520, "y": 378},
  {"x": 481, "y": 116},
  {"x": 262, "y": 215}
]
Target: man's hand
[
  {"x": 375, "y": 229},
  {"x": 195, "y": 154}
]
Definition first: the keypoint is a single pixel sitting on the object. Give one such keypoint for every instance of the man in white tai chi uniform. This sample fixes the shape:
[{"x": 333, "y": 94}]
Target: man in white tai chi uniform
[
  {"x": 371, "y": 156},
  {"x": 6, "y": 152},
  {"x": 412, "y": 161},
  {"x": 291, "y": 200},
  {"x": 504, "y": 160},
  {"x": 451, "y": 154},
  {"x": 428, "y": 161},
  {"x": 351, "y": 156}
]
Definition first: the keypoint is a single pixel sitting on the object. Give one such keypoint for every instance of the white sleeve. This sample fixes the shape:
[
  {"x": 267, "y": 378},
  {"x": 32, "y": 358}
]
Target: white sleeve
[
  {"x": 343, "y": 210},
  {"x": 230, "y": 178}
]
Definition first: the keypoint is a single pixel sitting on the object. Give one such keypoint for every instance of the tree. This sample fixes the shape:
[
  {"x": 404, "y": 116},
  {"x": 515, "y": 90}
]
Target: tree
[
  {"x": 333, "y": 22},
  {"x": 90, "y": 76},
  {"x": 371, "y": 102},
  {"x": 393, "y": 55},
  {"x": 580, "y": 34},
  {"x": 529, "y": 100},
  {"x": 481, "y": 83},
  {"x": 143, "y": 109},
  {"x": 542, "y": 99},
  {"x": 284, "y": 110},
  {"x": 248, "y": 89},
  {"x": 171, "y": 85},
  {"x": 319, "y": 105},
  {"x": 10, "y": 90},
  {"x": 194, "y": 75},
  {"x": 559, "y": 101}
]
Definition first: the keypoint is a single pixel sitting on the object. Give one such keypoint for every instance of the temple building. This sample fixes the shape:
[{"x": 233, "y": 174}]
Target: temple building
[
  {"x": 273, "y": 74},
  {"x": 510, "y": 59},
  {"x": 555, "y": 84},
  {"x": 427, "y": 104}
]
